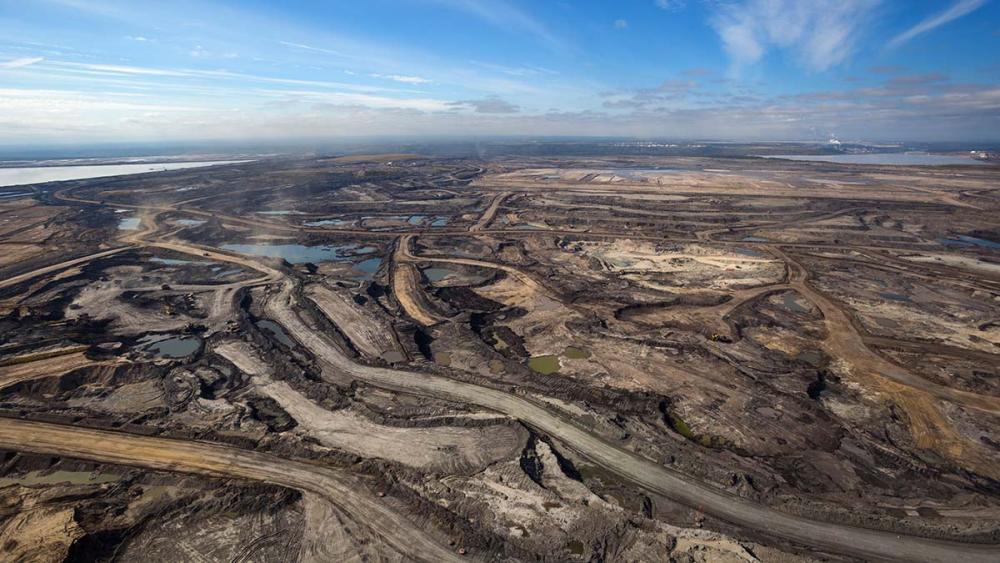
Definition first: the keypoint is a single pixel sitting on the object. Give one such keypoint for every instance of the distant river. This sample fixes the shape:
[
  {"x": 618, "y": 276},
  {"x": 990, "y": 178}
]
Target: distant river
[
  {"x": 39, "y": 174},
  {"x": 899, "y": 158}
]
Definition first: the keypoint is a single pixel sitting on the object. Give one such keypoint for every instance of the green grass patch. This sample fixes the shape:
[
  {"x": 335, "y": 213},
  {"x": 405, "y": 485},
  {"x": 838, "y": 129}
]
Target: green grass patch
[{"x": 679, "y": 426}]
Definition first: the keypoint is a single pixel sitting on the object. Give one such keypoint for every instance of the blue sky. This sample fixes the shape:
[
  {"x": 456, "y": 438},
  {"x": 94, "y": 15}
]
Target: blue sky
[{"x": 107, "y": 70}]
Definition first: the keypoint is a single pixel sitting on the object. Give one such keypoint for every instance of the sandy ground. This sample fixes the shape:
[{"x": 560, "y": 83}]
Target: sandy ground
[
  {"x": 689, "y": 265},
  {"x": 213, "y": 459},
  {"x": 439, "y": 448},
  {"x": 586, "y": 181},
  {"x": 362, "y": 326},
  {"x": 38, "y": 533},
  {"x": 406, "y": 288},
  {"x": 47, "y": 367}
]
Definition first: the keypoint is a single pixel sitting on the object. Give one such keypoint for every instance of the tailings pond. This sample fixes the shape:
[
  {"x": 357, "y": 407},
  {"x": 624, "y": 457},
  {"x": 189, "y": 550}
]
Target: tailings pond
[
  {"x": 39, "y": 174},
  {"x": 299, "y": 253},
  {"x": 894, "y": 158}
]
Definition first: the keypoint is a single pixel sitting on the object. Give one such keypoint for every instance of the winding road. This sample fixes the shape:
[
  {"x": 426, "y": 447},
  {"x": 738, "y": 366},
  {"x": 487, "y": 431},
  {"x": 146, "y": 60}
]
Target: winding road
[{"x": 216, "y": 460}]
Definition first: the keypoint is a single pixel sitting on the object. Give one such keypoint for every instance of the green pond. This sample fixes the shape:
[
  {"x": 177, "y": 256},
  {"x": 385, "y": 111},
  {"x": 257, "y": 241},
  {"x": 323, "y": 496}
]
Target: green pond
[
  {"x": 573, "y": 353},
  {"x": 544, "y": 365}
]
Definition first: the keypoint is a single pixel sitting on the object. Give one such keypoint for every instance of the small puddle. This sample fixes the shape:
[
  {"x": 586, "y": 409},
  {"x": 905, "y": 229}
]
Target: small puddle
[
  {"x": 792, "y": 303},
  {"x": 368, "y": 268},
  {"x": 438, "y": 274},
  {"x": 750, "y": 252},
  {"x": 129, "y": 224},
  {"x": 440, "y": 222},
  {"x": 277, "y": 331},
  {"x": 324, "y": 222},
  {"x": 965, "y": 240},
  {"x": 190, "y": 222},
  {"x": 172, "y": 346},
  {"x": 754, "y": 239},
  {"x": 895, "y": 296},
  {"x": 280, "y": 212},
  {"x": 395, "y": 357}
]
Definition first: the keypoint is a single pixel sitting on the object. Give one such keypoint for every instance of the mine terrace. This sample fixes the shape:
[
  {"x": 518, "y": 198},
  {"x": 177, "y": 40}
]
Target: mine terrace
[{"x": 406, "y": 357}]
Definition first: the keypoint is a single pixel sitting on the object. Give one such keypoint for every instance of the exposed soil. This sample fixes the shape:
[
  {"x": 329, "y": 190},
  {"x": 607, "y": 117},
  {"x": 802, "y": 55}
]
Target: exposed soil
[{"x": 523, "y": 358}]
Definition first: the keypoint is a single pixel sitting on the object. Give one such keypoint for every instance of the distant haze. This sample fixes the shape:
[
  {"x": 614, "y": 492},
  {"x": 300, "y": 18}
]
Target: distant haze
[{"x": 111, "y": 70}]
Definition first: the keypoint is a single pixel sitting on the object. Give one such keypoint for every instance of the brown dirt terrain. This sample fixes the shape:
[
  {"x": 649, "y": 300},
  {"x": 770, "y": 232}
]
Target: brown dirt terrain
[{"x": 592, "y": 358}]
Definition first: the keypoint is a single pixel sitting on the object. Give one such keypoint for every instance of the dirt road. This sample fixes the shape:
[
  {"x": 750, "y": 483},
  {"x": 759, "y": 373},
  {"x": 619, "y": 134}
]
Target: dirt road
[
  {"x": 845, "y": 342},
  {"x": 490, "y": 212},
  {"x": 60, "y": 266},
  {"x": 346, "y": 492}
]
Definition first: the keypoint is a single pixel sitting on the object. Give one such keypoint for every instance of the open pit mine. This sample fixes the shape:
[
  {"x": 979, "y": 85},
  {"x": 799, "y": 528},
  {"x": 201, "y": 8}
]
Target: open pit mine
[{"x": 426, "y": 358}]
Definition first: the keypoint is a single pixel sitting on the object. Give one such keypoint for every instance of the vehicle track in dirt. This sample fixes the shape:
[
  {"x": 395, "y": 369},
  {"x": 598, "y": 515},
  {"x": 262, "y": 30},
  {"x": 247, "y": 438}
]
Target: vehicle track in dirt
[{"x": 345, "y": 491}]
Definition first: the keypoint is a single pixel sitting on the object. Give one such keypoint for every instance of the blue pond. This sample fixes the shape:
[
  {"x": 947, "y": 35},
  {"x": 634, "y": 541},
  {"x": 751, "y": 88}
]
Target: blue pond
[
  {"x": 965, "y": 240},
  {"x": 298, "y": 253}
]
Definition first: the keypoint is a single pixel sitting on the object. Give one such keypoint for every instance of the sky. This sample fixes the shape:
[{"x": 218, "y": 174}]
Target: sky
[{"x": 78, "y": 71}]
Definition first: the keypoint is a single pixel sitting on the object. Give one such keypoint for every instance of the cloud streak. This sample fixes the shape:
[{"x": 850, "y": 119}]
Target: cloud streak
[
  {"x": 487, "y": 105},
  {"x": 820, "y": 33},
  {"x": 505, "y": 15},
  {"x": 22, "y": 62},
  {"x": 957, "y": 10},
  {"x": 405, "y": 79}
]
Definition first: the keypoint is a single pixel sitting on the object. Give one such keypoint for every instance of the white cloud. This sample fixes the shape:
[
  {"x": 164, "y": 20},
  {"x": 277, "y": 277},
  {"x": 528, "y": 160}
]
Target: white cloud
[
  {"x": 138, "y": 38},
  {"x": 487, "y": 105},
  {"x": 820, "y": 33},
  {"x": 621, "y": 24},
  {"x": 524, "y": 70},
  {"x": 24, "y": 61},
  {"x": 671, "y": 5},
  {"x": 356, "y": 99},
  {"x": 215, "y": 76},
  {"x": 403, "y": 78},
  {"x": 122, "y": 69},
  {"x": 957, "y": 10},
  {"x": 940, "y": 111},
  {"x": 305, "y": 47}
]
